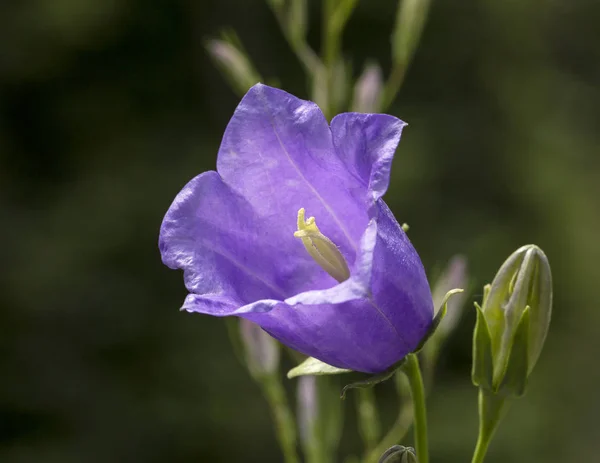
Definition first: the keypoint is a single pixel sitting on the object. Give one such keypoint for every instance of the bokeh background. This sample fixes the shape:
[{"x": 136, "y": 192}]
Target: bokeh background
[{"x": 108, "y": 107}]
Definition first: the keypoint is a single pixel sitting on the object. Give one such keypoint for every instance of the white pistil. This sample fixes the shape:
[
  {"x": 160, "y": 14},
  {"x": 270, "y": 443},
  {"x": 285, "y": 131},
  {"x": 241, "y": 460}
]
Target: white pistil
[{"x": 321, "y": 248}]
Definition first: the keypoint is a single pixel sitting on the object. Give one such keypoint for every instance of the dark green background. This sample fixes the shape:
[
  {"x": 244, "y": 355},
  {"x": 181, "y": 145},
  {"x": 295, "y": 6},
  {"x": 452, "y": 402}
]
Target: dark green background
[{"x": 108, "y": 107}]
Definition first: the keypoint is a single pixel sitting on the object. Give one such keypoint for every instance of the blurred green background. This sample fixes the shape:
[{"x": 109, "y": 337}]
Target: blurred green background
[{"x": 108, "y": 107}]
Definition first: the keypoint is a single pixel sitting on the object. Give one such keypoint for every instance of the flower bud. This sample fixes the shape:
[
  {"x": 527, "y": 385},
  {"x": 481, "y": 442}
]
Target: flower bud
[
  {"x": 399, "y": 454},
  {"x": 307, "y": 406},
  {"x": 261, "y": 350},
  {"x": 513, "y": 322},
  {"x": 320, "y": 417},
  {"x": 368, "y": 90},
  {"x": 233, "y": 63}
]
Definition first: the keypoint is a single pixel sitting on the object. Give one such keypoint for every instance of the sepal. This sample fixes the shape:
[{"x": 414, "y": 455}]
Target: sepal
[
  {"x": 313, "y": 366},
  {"x": 439, "y": 316},
  {"x": 482, "y": 373},
  {"x": 372, "y": 380},
  {"x": 514, "y": 378}
]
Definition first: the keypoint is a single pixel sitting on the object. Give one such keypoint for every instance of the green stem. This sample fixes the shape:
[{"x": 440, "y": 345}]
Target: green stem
[
  {"x": 393, "y": 84},
  {"x": 491, "y": 411},
  {"x": 285, "y": 426},
  {"x": 417, "y": 391},
  {"x": 368, "y": 420},
  {"x": 409, "y": 28},
  {"x": 402, "y": 423},
  {"x": 307, "y": 57},
  {"x": 331, "y": 41},
  {"x": 329, "y": 34}
]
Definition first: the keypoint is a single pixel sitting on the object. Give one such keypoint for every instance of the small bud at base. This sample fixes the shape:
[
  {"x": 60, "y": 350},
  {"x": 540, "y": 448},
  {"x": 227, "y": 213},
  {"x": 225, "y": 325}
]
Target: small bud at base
[{"x": 262, "y": 351}]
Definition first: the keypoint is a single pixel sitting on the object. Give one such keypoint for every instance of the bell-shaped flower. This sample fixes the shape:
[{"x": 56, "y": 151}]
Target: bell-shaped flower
[{"x": 291, "y": 233}]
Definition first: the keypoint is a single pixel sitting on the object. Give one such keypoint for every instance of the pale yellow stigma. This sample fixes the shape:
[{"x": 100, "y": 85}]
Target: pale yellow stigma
[{"x": 321, "y": 248}]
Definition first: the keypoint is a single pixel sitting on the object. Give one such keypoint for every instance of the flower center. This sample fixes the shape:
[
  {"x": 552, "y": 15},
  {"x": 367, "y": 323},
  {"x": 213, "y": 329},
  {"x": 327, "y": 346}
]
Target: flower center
[{"x": 321, "y": 248}]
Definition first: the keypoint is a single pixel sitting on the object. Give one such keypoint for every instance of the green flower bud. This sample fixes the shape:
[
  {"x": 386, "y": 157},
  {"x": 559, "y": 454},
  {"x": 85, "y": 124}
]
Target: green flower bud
[
  {"x": 513, "y": 322},
  {"x": 399, "y": 454}
]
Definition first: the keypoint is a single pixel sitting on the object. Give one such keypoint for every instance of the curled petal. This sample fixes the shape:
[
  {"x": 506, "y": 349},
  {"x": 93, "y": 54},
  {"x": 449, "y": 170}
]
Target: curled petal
[
  {"x": 367, "y": 143},
  {"x": 278, "y": 153}
]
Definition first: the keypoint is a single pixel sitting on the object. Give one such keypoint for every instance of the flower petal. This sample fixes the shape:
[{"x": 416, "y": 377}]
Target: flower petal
[
  {"x": 226, "y": 251},
  {"x": 367, "y": 143},
  {"x": 277, "y": 152},
  {"x": 356, "y": 287},
  {"x": 370, "y": 321},
  {"x": 346, "y": 335},
  {"x": 399, "y": 284}
]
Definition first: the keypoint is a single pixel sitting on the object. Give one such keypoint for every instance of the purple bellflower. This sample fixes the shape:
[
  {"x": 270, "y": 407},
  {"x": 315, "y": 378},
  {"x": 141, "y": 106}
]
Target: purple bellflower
[{"x": 352, "y": 291}]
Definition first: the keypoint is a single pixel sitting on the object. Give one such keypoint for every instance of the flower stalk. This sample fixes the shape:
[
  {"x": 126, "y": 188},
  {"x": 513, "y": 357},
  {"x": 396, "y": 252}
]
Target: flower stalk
[
  {"x": 417, "y": 391},
  {"x": 491, "y": 411},
  {"x": 368, "y": 419},
  {"x": 297, "y": 42},
  {"x": 320, "y": 418},
  {"x": 335, "y": 16},
  {"x": 260, "y": 353},
  {"x": 282, "y": 415},
  {"x": 410, "y": 21},
  {"x": 403, "y": 421}
]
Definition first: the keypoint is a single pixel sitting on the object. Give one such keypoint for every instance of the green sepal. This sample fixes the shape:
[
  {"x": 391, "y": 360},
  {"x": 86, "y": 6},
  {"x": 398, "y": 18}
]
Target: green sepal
[
  {"x": 372, "y": 380},
  {"x": 312, "y": 366},
  {"x": 482, "y": 373},
  {"x": 514, "y": 380},
  {"x": 439, "y": 316},
  {"x": 486, "y": 292}
]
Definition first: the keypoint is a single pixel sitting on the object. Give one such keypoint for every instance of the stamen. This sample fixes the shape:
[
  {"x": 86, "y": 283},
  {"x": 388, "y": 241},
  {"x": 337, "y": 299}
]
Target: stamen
[{"x": 321, "y": 248}]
